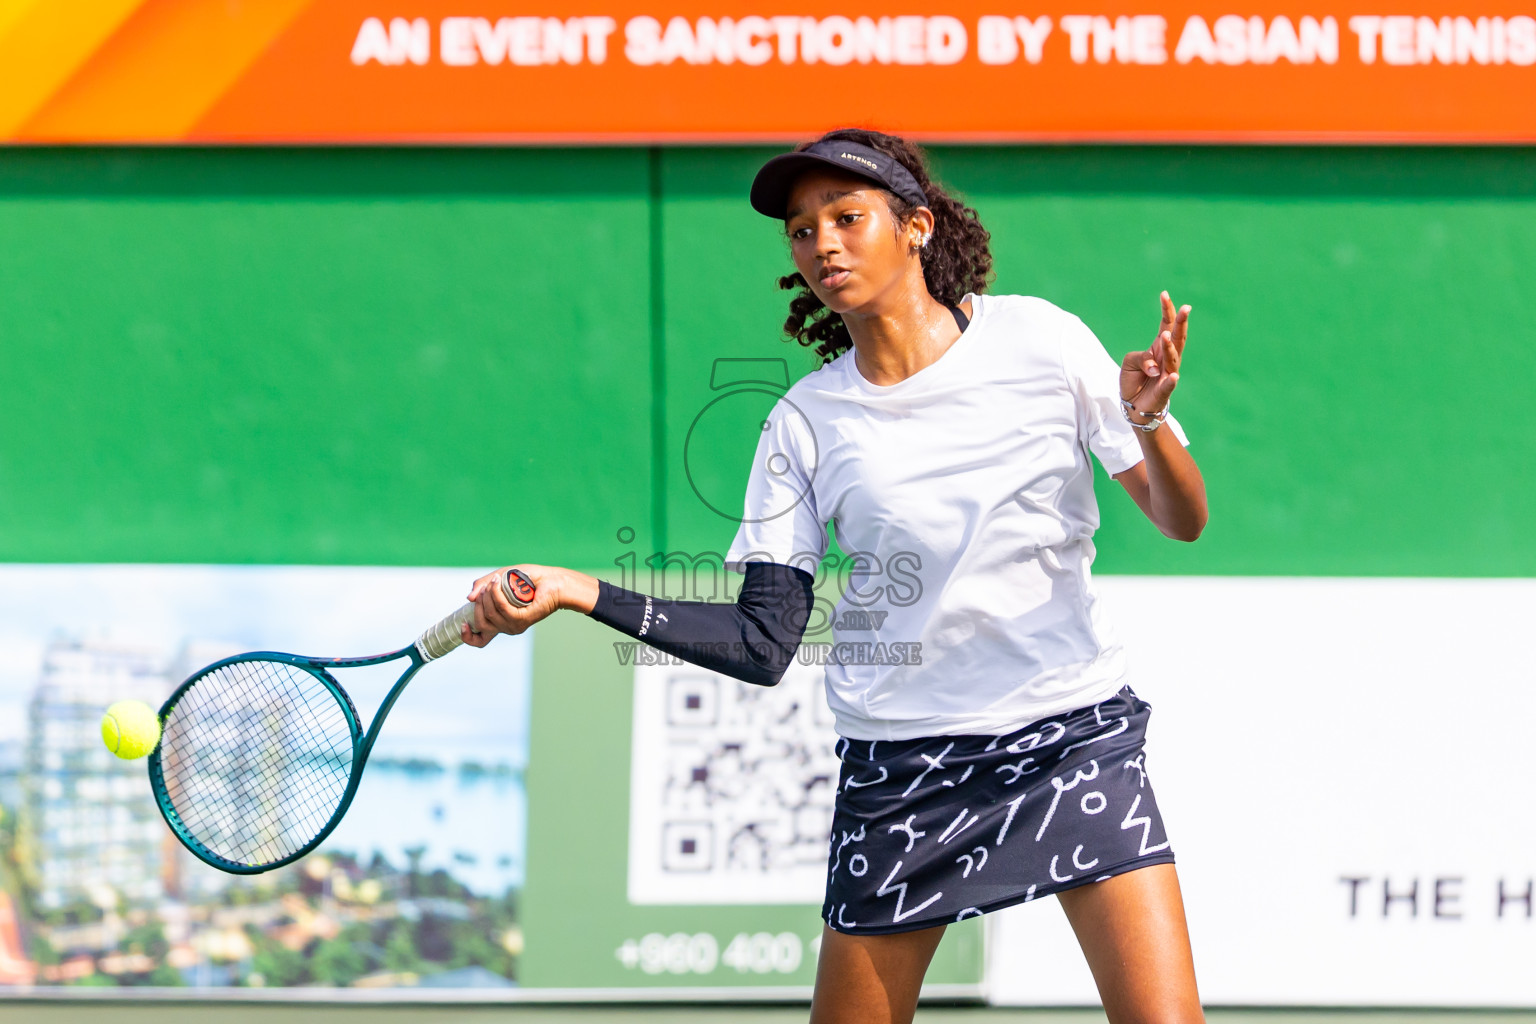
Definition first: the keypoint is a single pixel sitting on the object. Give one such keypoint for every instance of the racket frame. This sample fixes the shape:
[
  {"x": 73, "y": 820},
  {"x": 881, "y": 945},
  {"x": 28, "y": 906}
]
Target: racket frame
[
  {"x": 515, "y": 584},
  {"x": 362, "y": 744}
]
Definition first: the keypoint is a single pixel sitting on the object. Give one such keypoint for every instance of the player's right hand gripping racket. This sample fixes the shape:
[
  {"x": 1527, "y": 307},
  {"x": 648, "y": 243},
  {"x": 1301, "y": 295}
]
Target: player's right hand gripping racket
[{"x": 260, "y": 754}]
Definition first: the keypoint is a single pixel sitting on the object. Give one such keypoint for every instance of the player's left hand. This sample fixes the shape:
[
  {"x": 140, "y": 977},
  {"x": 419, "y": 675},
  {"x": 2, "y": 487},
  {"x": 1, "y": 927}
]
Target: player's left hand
[
  {"x": 494, "y": 613},
  {"x": 1147, "y": 379}
]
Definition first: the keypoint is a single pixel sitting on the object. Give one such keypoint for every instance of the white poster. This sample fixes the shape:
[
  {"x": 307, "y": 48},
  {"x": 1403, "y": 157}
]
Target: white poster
[
  {"x": 731, "y": 787},
  {"x": 1346, "y": 769}
]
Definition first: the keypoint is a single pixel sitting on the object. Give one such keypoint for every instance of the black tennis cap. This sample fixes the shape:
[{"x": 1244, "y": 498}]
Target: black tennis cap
[{"x": 770, "y": 189}]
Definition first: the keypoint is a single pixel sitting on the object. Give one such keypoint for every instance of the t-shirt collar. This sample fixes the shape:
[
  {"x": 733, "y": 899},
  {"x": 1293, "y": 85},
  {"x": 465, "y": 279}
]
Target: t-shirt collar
[{"x": 935, "y": 370}]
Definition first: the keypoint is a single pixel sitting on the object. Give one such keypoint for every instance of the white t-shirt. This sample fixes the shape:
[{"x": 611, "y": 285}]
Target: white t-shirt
[{"x": 963, "y": 498}]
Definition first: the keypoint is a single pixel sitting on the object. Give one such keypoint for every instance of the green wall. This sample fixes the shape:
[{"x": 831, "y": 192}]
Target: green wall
[
  {"x": 475, "y": 356},
  {"x": 470, "y": 356},
  {"x": 406, "y": 357}
]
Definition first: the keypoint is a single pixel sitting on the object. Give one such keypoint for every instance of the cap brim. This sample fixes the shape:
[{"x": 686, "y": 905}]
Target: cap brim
[{"x": 771, "y": 187}]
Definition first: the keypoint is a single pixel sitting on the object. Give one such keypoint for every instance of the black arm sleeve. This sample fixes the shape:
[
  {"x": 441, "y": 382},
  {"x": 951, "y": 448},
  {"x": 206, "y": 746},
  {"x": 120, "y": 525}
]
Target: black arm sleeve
[{"x": 753, "y": 640}]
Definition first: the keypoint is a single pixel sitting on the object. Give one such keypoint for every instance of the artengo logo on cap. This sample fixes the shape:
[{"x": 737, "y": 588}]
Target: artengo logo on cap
[{"x": 866, "y": 161}]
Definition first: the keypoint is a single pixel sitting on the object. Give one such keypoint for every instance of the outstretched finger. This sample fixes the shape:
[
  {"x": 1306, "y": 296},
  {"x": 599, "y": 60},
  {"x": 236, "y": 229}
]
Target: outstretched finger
[
  {"x": 1181, "y": 327},
  {"x": 1171, "y": 355}
]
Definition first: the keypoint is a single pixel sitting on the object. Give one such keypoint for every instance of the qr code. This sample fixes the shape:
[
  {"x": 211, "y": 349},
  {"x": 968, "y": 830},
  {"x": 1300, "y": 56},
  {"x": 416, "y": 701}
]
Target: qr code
[{"x": 731, "y": 787}]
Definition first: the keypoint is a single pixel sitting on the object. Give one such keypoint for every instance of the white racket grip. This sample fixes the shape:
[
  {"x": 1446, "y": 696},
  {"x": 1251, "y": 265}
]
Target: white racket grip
[{"x": 446, "y": 634}]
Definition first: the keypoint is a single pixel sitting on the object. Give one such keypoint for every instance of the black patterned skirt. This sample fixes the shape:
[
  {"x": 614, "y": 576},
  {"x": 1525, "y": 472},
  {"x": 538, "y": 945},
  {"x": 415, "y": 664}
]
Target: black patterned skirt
[{"x": 934, "y": 830}]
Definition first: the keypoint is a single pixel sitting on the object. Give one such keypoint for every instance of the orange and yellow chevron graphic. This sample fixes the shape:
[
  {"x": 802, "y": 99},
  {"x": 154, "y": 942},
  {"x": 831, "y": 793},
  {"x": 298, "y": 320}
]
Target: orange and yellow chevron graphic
[{"x": 126, "y": 70}]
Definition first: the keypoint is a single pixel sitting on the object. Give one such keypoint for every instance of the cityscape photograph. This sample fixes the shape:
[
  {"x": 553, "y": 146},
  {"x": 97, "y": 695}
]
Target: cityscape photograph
[{"x": 95, "y": 890}]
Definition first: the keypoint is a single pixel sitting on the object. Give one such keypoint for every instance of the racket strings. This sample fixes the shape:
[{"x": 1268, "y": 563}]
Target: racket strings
[
  {"x": 261, "y": 808},
  {"x": 256, "y": 757}
]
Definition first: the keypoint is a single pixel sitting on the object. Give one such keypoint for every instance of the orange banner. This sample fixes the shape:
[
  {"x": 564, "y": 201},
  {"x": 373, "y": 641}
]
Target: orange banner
[{"x": 313, "y": 71}]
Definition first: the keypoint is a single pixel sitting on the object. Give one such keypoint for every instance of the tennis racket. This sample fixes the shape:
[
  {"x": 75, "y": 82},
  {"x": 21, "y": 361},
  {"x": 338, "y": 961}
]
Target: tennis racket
[{"x": 260, "y": 754}]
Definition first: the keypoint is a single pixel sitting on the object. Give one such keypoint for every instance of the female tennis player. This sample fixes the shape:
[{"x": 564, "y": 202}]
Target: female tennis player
[{"x": 991, "y": 747}]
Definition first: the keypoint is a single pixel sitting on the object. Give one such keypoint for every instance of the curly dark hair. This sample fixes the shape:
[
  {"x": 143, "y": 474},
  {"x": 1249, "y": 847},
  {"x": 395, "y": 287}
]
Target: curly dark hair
[{"x": 956, "y": 260}]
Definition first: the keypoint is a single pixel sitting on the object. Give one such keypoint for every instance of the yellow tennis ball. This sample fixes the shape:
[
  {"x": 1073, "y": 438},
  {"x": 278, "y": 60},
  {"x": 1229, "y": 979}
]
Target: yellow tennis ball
[{"x": 130, "y": 729}]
